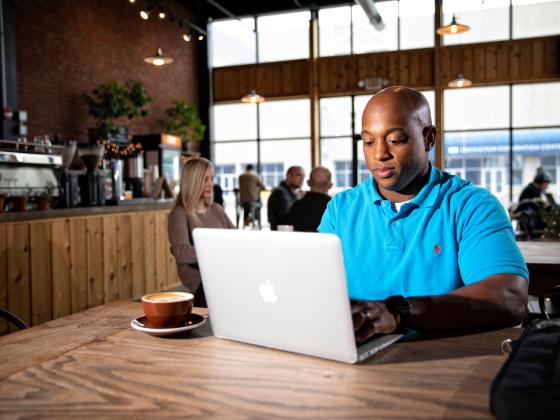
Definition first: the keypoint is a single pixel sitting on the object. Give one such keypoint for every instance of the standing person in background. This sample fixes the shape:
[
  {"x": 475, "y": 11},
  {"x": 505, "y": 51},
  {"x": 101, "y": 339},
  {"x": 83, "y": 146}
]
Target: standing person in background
[
  {"x": 194, "y": 208},
  {"x": 284, "y": 195},
  {"x": 305, "y": 214},
  {"x": 250, "y": 187},
  {"x": 536, "y": 189}
]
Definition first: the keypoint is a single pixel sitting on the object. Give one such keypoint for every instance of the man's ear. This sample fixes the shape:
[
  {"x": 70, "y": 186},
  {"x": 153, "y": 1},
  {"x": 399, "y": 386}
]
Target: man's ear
[{"x": 429, "y": 137}]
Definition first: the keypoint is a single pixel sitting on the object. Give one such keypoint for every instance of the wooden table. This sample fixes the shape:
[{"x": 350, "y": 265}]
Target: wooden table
[
  {"x": 93, "y": 364},
  {"x": 543, "y": 261}
]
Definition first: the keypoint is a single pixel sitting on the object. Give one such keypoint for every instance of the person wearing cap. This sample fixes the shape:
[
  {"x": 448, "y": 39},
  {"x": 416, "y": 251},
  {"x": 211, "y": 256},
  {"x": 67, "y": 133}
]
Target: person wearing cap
[{"x": 535, "y": 189}]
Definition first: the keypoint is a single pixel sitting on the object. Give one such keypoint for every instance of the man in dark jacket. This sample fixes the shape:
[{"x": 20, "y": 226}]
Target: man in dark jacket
[
  {"x": 283, "y": 196},
  {"x": 305, "y": 214}
]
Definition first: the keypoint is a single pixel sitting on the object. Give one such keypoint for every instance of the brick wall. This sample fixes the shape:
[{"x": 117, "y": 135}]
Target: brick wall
[{"x": 67, "y": 47}]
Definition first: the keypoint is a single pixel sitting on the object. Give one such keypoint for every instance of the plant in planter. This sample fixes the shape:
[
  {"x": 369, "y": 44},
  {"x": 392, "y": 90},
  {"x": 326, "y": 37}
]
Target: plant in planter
[
  {"x": 115, "y": 105},
  {"x": 183, "y": 121},
  {"x": 44, "y": 199},
  {"x": 20, "y": 199}
]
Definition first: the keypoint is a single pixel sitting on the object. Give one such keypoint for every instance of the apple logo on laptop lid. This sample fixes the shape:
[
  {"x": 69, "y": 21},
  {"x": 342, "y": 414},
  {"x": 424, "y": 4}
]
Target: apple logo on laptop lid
[{"x": 267, "y": 291}]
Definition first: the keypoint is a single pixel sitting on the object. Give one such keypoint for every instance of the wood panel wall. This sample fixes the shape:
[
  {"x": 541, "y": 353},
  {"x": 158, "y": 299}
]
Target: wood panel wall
[
  {"x": 524, "y": 60},
  {"x": 516, "y": 61},
  {"x": 281, "y": 79},
  {"x": 53, "y": 268}
]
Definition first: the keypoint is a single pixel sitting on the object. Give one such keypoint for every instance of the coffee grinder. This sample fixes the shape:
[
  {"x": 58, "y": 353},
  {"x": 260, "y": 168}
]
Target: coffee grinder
[{"x": 92, "y": 183}]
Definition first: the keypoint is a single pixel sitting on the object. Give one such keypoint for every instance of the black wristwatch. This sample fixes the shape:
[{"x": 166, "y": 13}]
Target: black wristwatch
[{"x": 398, "y": 305}]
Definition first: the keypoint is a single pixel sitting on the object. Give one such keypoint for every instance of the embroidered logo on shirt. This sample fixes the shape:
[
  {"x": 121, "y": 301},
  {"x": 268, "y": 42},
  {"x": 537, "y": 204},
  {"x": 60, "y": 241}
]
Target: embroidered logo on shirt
[{"x": 437, "y": 249}]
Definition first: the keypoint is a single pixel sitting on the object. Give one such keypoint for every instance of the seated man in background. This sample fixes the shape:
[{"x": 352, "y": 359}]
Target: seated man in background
[
  {"x": 305, "y": 214},
  {"x": 422, "y": 249},
  {"x": 284, "y": 195},
  {"x": 536, "y": 189}
]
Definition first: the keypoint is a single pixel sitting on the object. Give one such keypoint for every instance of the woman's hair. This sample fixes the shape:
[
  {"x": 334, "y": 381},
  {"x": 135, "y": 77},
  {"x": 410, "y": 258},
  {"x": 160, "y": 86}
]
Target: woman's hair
[{"x": 192, "y": 188}]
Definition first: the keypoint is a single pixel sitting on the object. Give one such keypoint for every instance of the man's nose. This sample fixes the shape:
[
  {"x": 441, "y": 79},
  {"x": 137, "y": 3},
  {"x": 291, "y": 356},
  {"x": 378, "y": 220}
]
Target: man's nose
[{"x": 381, "y": 151}]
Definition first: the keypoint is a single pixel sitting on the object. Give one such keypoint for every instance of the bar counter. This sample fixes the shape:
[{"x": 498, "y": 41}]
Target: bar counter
[
  {"x": 134, "y": 205},
  {"x": 58, "y": 262}
]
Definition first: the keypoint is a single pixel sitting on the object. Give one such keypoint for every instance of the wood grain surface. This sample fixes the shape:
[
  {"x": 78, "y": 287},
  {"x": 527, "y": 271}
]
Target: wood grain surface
[
  {"x": 52, "y": 268},
  {"x": 94, "y": 364}
]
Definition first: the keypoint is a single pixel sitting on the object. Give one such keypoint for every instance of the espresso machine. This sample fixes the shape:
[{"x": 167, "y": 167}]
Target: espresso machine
[
  {"x": 92, "y": 183},
  {"x": 28, "y": 168}
]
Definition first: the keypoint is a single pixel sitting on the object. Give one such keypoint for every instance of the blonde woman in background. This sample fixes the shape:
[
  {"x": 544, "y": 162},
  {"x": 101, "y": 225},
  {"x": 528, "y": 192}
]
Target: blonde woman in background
[{"x": 194, "y": 208}]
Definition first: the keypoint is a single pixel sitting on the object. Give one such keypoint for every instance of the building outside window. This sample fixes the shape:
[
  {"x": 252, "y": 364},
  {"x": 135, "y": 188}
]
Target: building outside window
[{"x": 480, "y": 128}]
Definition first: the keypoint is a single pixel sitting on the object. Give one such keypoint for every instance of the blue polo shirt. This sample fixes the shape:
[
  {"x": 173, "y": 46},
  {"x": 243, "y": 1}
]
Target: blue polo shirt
[{"x": 451, "y": 234}]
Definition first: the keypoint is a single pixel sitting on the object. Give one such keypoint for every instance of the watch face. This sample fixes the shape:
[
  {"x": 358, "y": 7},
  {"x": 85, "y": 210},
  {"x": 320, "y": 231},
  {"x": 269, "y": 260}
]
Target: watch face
[{"x": 398, "y": 302}]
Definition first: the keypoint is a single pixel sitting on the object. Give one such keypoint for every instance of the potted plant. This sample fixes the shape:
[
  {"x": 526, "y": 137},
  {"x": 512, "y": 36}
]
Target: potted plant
[
  {"x": 114, "y": 106},
  {"x": 183, "y": 121},
  {"x": 20, "y": 199},
  {"x": 44, "y": 199}
]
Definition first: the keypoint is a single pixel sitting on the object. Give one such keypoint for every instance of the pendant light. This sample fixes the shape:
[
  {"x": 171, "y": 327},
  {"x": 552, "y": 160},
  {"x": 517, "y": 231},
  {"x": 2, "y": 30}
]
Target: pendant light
[
  {"x": 158, "y": 59},
  {"x": 453, "y": 28},
  {"x": 253, "y": 98},
  {"x": 459, "y": 82}
]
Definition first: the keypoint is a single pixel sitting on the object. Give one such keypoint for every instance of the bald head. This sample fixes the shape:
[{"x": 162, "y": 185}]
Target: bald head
[
  {"x": 405, "y": 100},
  {"x": 320, "y": 180}
]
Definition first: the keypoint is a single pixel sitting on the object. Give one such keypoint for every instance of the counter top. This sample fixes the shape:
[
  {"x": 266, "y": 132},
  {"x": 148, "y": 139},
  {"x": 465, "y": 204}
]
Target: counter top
[{"x": 134, "y": 205}]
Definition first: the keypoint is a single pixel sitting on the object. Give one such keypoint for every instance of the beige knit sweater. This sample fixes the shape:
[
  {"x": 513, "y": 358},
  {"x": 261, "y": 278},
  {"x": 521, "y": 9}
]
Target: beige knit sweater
[{"x": 182, "y": 247}]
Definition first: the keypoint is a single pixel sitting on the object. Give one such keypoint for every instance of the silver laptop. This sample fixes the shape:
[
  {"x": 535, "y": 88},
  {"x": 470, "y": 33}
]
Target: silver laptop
[{"x": 284, "y": 290}]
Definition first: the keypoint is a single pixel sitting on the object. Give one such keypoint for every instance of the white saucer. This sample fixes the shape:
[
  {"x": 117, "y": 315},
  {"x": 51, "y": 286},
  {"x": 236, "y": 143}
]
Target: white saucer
[{"x": 195, "y": 321}]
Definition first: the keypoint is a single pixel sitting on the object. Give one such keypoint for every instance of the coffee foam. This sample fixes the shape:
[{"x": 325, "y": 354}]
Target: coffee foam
[{"x": 168, "y": 297}]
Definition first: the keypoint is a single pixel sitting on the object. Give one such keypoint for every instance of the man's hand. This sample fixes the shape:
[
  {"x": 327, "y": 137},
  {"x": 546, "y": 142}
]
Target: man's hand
[{"x": 372, "y": 317}]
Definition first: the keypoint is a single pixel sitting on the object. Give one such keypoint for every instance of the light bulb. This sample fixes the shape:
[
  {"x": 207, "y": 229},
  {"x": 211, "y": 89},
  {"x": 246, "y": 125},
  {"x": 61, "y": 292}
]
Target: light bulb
[
  {"x": 144, "y": 15},
  {"x": 186, "y": 37},
  {"x": 161, "y": 15},
  {"x": 200, "y": 37},
  {"x": 132, "y": 1},
  {"x": 158, "y": 62},
  {"x": 453, "y": 29}
]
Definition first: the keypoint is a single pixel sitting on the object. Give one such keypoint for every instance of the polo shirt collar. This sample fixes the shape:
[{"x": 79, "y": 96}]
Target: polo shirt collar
[{"x": 425, "y": 198}]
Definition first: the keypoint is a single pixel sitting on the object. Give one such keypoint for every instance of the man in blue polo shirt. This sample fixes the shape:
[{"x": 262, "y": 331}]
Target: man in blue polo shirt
[{"x": 422, "y": 249}]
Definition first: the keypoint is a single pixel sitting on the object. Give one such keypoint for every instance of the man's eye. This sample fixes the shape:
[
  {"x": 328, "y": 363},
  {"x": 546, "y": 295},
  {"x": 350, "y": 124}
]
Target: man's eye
[
  {"x": 398, "y": 140},
  {"x": 369, "y": 143}
]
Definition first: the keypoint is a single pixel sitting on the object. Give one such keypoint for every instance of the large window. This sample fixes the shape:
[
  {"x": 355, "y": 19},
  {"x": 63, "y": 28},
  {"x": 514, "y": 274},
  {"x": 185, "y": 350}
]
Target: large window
[
  {"x": 347, "y": 30},
  {"x": 488, "y": 20},
  {"x": 273, "y": 135},
  {"x": 535, "y": 18},
  {"x": 281, "y": 35},
  {"x": 480, "y": 130},
  {"x": 232, "y": 42}
]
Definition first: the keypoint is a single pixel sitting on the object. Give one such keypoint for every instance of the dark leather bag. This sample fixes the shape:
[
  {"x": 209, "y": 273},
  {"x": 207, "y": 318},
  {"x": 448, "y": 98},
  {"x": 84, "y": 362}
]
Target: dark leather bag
[{"x": 528, "y": 384}]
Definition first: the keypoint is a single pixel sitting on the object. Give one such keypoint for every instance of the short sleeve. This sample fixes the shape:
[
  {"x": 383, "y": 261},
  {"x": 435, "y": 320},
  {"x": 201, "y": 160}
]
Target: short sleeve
[
  {"x": 486, "y": 240},
  {"x": 328, "y": 220}
]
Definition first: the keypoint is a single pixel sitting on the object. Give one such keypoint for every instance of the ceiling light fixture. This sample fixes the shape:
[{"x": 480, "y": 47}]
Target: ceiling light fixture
[
  {"x": 187, "y": 37},
  {"x": 158, "y": 59},
  {"x": 453, "y": 28},
  {"x": 200, "y": 37},
  {"x": 459, "y": 82},
  {"x": 253, "y": 98},
  {"x": 144, "y": 15},
  {"x": 131, "y": 1},
  {"x": 161, "y": 14}
]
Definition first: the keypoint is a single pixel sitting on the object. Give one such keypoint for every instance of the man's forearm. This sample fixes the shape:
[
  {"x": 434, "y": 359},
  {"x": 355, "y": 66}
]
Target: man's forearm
[{"x": 496, "y": 302}]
